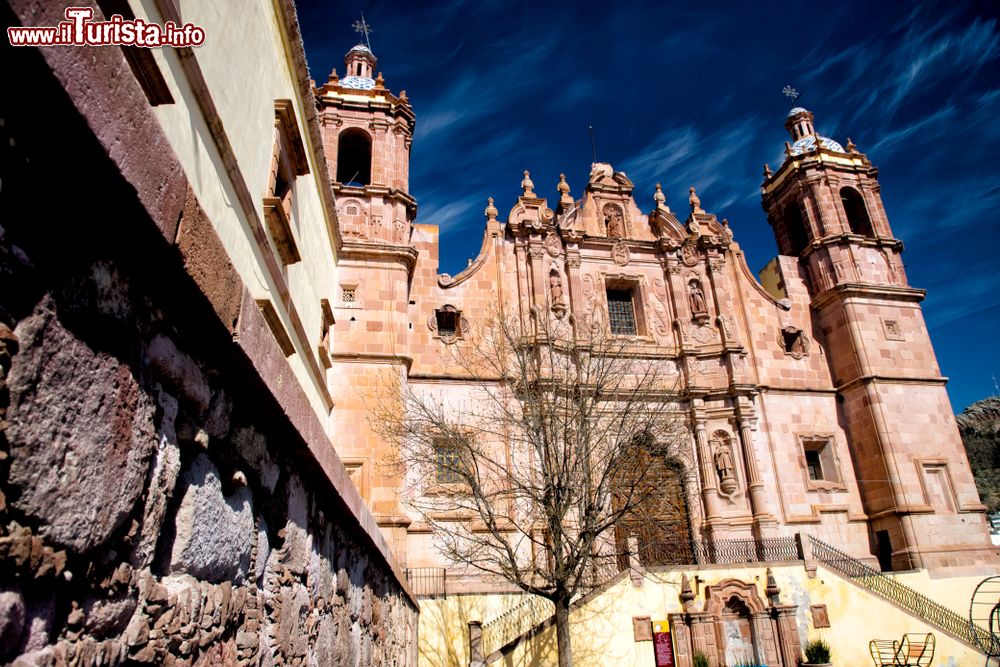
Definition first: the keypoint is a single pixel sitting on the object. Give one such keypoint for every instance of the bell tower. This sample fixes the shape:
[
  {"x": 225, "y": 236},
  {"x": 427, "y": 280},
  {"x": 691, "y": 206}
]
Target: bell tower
[
  {"x": 367, "y": 134},
  {"x": 825, "y": 208}
]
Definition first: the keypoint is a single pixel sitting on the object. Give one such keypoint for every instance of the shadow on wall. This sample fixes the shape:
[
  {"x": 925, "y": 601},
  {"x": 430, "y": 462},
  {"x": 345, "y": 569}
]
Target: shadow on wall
[{"x": 157, "y": 505}]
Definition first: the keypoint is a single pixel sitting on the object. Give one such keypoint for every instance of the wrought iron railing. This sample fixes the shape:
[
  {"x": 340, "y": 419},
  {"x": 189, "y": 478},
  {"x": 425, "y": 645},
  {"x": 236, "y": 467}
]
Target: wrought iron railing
[
  {"x": 719, "y": 552},
  {"x": 428, "y": 581},
  {"x": 515, "y": 622},
  {"x": 902, "y": 595}
]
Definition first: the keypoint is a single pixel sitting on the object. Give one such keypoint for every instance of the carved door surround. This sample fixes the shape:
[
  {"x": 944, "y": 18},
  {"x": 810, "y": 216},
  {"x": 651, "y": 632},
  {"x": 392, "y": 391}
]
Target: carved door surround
[{"x": 737, "y": 624}]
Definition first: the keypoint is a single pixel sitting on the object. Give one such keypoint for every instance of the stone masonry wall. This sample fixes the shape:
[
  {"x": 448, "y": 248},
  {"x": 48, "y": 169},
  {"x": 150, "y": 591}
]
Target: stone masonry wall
[{"x": 161, "y": 502}]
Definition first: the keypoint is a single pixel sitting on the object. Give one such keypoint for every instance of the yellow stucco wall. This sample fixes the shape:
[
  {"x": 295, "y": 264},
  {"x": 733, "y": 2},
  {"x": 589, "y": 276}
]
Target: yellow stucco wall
[
  {"x": 249, "y": 33},
  {"x": 602, "y": 629}
]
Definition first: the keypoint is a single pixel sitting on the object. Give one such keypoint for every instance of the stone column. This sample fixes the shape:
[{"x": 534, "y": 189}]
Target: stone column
[
  {"x": 755, "y": 487},
  {"x": 788, "y": 634},
  {"x": 709, "y": 482},
  {"x": 682, "y": 640},
  {"x": 576, "y": 302},
  {"x": 476, "y": 644}
]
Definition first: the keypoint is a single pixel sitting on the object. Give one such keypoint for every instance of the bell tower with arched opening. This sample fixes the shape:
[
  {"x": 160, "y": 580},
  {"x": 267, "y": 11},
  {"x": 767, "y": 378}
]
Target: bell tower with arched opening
[
  {"x": 826, "y": 211},
  {"x": 367, "y": 134}
]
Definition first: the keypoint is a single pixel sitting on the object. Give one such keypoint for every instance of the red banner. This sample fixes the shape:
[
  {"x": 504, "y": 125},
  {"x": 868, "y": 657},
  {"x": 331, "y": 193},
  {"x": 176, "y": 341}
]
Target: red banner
[{"x": 662, "y": 645}]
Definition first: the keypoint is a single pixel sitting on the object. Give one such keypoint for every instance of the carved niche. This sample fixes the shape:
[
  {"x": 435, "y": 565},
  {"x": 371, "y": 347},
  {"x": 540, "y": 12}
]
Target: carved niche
[
  {"x": 696, "y": 297},
  {"x": 723, "y": 460},
  {"x": 614, "y": 221}
]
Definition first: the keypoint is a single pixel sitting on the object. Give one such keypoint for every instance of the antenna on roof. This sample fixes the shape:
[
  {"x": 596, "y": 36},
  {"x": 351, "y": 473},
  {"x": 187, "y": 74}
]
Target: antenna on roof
[
  {"x": 365, "y": 28},
  {"x": 792, "y": 93},
  {"x": 593, "y": 146}
]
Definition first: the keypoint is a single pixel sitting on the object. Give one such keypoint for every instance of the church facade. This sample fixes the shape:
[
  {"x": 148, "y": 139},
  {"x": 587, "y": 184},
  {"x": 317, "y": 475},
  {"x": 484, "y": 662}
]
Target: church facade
[{"x": 811, "y": 393}]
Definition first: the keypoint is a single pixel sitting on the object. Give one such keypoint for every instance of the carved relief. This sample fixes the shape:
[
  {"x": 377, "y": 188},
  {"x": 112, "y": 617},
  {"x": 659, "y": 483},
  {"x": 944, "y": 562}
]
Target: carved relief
[
  {"x": 614, "y": 221},
  {"x": 892, "y": 330},
  {"x": 553, "y": 245},
  {"x": 724, "y": 329},
  {"x": 352, "y": 217},
  {"x": 689, "y": 255},
  {"x": 703, "y": 333},
  {"x": 620, "y": 253},
  {"x": 589, "y": 298},
  {"x": 659, "y": 297},
  {"x": 536, "y": 253},
  {"x": 398, "y": 231}
]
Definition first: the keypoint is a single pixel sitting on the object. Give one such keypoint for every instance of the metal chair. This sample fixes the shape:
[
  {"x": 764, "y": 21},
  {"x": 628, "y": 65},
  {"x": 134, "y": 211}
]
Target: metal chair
[
  {"x": 884, "y": 652},
  {"x": 916, "y": 650}
]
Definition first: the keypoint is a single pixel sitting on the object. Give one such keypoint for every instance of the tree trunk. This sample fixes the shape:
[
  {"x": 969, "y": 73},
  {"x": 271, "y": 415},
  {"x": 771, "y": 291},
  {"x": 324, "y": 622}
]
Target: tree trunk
[{"x": 562, "y": 633}]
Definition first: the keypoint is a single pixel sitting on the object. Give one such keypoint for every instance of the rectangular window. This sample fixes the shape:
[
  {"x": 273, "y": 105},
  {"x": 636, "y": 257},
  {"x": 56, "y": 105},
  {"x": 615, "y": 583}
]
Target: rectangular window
[
  {"x": 348, "y": 294},
  {"x": 820, "y": 461},
  {"x": 447, "y": 459},
  {"x": 447, "y": 323},
  {"x": 814, "y": 465},
  {"x": 621, "y": 312}
]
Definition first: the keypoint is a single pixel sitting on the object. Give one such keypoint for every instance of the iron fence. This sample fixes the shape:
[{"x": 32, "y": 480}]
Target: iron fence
[
  {"x": 428, "y": 581},
  {"x": 718, "y": 552},
  {"x": 918, "y": 604}
]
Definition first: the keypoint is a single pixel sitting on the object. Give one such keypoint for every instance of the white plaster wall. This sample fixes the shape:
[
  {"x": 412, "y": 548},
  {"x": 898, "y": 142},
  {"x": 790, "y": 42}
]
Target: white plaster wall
[{"x": 250, "y": 34}]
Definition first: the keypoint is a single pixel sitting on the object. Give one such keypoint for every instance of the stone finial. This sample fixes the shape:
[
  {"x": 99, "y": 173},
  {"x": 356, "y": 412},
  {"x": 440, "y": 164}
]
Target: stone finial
[
  {"x": 788, "y": 149},
  {"x": 727, "y": 231},
  {"x": 658, "y": 196},
  {"x": 491, "y": 210},
  {"x": 767, "y": 170},
  {"x": 563, "y": 187},
  {"x": 818, "y": 141},
  {"x": 379, "y": 81},
  {"x": 772, "y": 589},
  {"x": 403, "y": 97},
  {"x": 687, "y": 595},
  {"x": 851, "y": 148},
  {"x": 527, "y": 185},
  {"x": 333, "y": 76},
  {"x": 694, "y": 201}
]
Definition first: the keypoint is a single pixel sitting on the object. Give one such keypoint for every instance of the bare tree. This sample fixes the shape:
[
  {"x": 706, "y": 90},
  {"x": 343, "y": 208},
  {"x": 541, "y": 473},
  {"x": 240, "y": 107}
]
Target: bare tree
[{"x": 556, "y": 439}]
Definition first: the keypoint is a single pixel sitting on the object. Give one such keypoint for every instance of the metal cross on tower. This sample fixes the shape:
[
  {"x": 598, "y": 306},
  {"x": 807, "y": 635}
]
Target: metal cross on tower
[
  {"x": 791, "y": 92},
  {"x": 365, "y": 28}
]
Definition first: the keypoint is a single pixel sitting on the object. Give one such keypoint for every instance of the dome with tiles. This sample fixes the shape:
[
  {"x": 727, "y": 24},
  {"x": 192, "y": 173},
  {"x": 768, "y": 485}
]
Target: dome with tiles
[
  {"x": 808, "y": 143},
  {"x": 358, "y": 82}
]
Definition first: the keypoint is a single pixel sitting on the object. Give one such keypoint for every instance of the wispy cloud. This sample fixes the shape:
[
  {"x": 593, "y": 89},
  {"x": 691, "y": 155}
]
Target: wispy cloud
[{"x": 717, "y": 163}]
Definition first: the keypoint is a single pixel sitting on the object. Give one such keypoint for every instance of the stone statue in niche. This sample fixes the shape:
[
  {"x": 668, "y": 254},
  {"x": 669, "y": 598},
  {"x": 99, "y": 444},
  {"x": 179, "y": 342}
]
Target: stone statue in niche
[
  {"x": 555, "y": 288},
  {"x": 697, "y": 297},
  {"x": 614, "y": 221},
  {"x": 723, "y": 459}
]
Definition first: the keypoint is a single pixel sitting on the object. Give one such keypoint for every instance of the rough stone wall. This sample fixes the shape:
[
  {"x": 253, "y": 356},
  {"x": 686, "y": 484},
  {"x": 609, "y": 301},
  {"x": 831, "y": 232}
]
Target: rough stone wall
[
  {"x": 159, "y": 503},
  {"x": 149, "y": 517}
]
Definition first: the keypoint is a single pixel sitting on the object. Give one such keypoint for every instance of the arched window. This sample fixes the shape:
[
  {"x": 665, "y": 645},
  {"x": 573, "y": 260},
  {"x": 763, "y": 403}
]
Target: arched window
[
  {"x": 795, "y": 230},
  {"x": 354, "y": 158},
  {"x": 857, "y": 212}
]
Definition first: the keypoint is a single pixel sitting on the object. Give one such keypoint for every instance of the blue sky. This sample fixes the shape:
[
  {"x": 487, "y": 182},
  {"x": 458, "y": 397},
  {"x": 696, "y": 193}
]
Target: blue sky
[{"x": 686, "y": 97}]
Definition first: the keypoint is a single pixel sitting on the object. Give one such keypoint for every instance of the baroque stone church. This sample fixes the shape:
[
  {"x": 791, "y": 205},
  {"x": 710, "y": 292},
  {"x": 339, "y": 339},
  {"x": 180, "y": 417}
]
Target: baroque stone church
[{"x": 813, "y": 396}]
